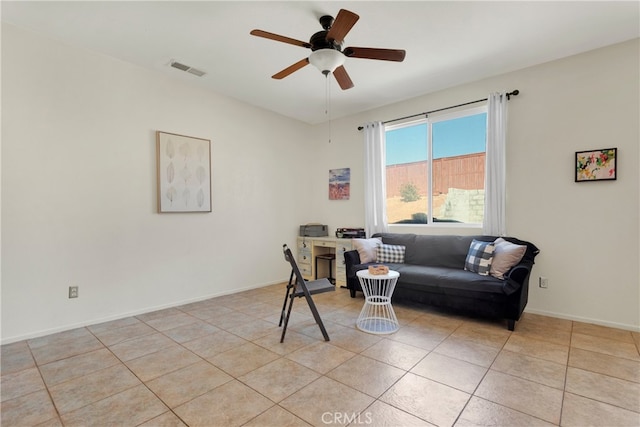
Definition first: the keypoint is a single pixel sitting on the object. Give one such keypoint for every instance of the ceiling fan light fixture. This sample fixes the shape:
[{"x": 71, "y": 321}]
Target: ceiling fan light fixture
[{"x": 326, "y": 60}]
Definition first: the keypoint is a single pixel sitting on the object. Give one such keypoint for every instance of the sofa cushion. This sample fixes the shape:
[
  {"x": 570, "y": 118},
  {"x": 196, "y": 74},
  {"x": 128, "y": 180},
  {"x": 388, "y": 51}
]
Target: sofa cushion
[
  {"x": 391, "y": 253},
  {"x": 505, "y": 256},
  {"x": 479, "y": 257},
  {"x": 367, "y": 248},
  {"x": 438, "y": 251},
  {"x": 445, "y": 280}
]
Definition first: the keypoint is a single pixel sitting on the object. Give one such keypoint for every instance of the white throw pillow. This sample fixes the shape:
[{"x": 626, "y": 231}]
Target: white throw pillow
[
  {"x": 367, "y": 248},
  {"x": 505, "y": 256}
]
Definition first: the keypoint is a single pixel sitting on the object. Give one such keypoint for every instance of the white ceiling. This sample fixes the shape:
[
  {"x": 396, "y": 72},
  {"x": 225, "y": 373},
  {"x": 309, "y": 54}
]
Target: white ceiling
[{"x": 448, "y": 43}]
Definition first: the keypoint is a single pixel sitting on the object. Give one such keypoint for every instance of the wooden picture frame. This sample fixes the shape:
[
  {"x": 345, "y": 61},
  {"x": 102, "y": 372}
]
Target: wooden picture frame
[
  {"x": 184, "y": 173},
  {"x": 596, "y": 165}
]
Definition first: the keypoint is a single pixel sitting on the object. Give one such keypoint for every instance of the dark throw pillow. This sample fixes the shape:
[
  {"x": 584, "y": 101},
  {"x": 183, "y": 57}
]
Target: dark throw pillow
[
  {"x": 479, "y": 257},
  {"x": 391, "y": 253}
]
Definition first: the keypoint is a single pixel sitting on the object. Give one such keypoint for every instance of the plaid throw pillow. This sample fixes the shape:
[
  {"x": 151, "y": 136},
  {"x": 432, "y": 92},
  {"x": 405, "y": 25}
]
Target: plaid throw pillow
[
  {"x": 479, "y": 257},
  {"x": 391, "y": 253}
]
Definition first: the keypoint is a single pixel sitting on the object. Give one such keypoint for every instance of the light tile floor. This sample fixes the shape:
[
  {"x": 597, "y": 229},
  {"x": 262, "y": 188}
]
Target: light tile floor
[{"x": 219, "y": 362}]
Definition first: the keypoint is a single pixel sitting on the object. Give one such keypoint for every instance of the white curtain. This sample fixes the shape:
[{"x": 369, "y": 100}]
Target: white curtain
[
  {"x": 495, "y": 181},
  {"x": 375, "y": 192}
]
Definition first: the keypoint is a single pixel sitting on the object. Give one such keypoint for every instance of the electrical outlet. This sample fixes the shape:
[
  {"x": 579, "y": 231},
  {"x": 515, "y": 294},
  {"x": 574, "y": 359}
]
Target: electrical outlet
[
  {"x": 73, "y": 292},
  {"x": 543, "y": 282}
]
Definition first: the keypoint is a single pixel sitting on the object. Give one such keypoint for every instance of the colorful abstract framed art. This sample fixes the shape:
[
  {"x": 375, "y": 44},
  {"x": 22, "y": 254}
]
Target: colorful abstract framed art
[
  {"x": 339, "y": 184},
  {"x": 596, "y": 165}
]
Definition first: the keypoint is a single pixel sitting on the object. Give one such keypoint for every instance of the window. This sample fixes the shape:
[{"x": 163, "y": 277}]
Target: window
[{"x": 435, "y": 169}]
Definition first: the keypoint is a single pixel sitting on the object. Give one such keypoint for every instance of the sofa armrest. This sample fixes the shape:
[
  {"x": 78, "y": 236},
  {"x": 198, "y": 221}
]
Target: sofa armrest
[
  {"x": 351, "y": 258},
  {"x": 515, "y": 278}
]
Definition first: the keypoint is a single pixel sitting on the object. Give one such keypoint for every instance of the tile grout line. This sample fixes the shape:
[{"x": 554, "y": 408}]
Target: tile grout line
[
  {"x": 202, "y": 359},
  {"x": 46, "y": 387},
  {"x": 498, "y": 403},
  {"x": 138, "y": 378},
  {"x": 571, "y": 349},
  {"x": 566, "y": 373}
]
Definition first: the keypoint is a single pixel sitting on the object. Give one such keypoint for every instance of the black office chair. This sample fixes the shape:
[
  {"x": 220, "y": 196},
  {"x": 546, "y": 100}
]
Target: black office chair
[{"x": 298, "y": 288}]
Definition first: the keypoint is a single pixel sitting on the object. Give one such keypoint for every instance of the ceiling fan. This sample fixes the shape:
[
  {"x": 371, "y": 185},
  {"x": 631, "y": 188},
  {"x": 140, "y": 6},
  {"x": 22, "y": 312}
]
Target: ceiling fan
[{"x": 326, "y": 48}]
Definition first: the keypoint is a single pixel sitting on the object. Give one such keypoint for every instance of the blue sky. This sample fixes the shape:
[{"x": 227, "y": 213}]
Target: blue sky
[{"x": 455, "y": 137}]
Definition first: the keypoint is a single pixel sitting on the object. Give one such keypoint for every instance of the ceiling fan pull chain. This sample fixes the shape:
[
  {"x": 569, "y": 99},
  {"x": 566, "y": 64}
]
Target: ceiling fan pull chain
[{"x": 327, "y": 102}]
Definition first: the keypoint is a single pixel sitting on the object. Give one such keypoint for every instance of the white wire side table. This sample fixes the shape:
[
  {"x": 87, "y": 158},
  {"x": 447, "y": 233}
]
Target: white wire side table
[{"x": 377, "y": 315}]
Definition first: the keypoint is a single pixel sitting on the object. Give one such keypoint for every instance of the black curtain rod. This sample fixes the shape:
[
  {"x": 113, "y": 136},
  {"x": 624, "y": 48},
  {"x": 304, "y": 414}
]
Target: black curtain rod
[{"x": 426, "y": 113}]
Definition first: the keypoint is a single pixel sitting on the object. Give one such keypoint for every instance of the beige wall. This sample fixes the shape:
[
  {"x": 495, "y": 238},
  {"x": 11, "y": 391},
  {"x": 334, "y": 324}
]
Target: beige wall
[
  {"x": 78, "y": 190},
  {"x": 587, "y": 232},
  {"x": 78, "y": 186}
]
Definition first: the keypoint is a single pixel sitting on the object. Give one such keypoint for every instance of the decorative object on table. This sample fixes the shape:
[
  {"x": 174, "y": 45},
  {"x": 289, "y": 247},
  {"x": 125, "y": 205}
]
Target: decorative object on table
[
  {"x": 339, "y": 184},
  {"x": 184, "y": 173},
  {"x": 378, "y": 270},
  {"x": 596, "y": 165}
]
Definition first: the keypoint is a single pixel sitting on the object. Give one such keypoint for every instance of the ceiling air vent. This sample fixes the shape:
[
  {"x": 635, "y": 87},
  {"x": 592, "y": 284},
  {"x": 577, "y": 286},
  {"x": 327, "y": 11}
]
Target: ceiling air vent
[{"x": 187, "y": 68}]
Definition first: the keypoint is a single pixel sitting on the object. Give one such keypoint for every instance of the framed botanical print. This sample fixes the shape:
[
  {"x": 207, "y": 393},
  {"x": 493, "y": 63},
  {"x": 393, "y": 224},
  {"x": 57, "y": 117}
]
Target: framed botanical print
[{"x": 184, "y": 173}]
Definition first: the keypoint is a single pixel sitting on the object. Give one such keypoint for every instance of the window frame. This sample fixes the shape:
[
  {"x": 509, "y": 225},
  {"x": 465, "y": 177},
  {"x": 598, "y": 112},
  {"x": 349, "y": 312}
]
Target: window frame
[{"x": 429, "y": 121}]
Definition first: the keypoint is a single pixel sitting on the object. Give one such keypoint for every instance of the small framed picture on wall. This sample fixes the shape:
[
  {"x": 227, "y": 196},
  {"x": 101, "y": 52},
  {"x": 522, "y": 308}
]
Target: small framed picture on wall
[
  {"x": 596, "y": 165},
  {"x": 339, "y": 184}
]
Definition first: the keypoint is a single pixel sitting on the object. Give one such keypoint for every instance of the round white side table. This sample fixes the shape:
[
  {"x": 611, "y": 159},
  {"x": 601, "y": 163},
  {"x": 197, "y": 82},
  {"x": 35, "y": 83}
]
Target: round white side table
[{"x": 377, "y": 315}]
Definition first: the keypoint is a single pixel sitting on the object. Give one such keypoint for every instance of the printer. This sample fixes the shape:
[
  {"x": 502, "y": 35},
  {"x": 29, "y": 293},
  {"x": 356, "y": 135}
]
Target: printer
[
  {"x": 350, "y": 233},
  {"x": 314, "y": 230}
]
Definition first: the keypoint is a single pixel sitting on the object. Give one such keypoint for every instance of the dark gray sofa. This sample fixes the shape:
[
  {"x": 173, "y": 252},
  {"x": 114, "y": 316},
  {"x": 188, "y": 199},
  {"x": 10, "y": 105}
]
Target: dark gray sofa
[{"x": 433, "y": 273}]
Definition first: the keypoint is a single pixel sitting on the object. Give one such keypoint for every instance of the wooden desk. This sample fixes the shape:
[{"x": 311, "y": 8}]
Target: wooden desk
[{"x": 310, "y": 247}]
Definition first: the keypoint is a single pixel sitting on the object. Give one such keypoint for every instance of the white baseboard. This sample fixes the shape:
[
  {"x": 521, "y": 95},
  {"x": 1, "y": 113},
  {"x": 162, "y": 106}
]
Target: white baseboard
[
  {"x": 129, "y": 314},
  {"x": 626, "y": 327},
  {"x": 634, "y": 328}
]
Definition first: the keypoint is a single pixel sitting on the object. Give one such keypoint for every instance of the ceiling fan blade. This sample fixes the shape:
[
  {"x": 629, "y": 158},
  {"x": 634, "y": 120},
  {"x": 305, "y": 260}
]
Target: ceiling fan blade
[
  {"x": 290, "y": 69},
  {"x": 343, "y": 78},
  {"x": 374, "y": 53},
  {"x": 279, "y": 38},
  {"x": 342, "y": 25}
]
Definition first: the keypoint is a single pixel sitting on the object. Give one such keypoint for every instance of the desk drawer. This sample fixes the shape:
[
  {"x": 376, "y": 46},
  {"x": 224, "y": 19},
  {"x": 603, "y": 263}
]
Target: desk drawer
[
  {"x": 304, "y": 243},
  {"x": 305, "y": 269},
  {"x": 341, "y": 248},
  {"x": 325, "y": 244},
  {"x": 304, "y": 257}
]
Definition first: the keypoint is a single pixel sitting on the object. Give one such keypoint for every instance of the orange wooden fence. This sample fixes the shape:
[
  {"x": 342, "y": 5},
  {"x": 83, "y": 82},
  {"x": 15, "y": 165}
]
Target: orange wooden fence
[{"x": 463, "y": 172}]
